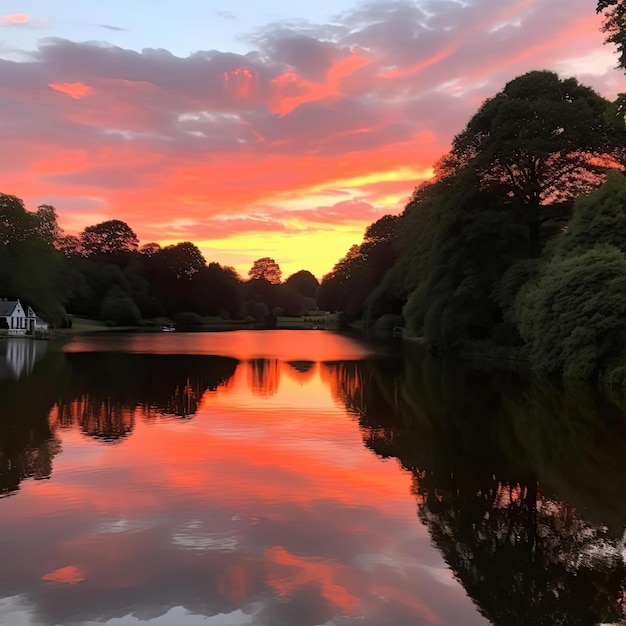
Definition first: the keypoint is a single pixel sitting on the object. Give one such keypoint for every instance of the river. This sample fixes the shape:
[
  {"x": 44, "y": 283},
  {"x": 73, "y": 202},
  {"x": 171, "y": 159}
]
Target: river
[{"x": 301, "y": 478}]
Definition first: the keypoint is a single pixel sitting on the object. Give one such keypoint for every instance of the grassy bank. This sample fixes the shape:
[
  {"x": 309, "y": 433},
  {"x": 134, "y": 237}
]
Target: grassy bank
[{"x": 81, "y": 325}]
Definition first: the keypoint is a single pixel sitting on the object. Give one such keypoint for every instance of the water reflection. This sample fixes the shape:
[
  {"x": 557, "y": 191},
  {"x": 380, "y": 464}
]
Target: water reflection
[
  {"x": 27, "y": 442},
  {"x": 518, "y": 485},
  {"x": 103, "y": 392},
  {"x": 267, "y": 508},
  {"x": 264, "y": 376},
  {"x": 19, "y": 355}
]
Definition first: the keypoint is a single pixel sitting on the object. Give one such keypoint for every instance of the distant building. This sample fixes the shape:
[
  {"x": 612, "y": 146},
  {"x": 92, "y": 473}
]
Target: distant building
[
  {"x": 320, "y": 319},
  {"x": 19, "y": 321}
]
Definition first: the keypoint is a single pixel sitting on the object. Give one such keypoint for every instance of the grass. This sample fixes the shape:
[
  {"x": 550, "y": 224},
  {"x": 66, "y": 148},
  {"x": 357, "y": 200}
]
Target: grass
[
  {"x": 86, "y": 325},
  {"x": 81, "y": 324}
]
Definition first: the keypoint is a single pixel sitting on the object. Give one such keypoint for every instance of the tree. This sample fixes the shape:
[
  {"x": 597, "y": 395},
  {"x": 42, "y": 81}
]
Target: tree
[
  {"x": 475, "y": 245},
  {"x": 173, "y": 273},
  {"x": 150, "y": 248},
  {"x": 16, "y": 223},
  {"x": 540, "y": 141},
  {"x": 70, "y": 246},
  {"x": 615, "y": 25},
  {"x": 220, "y": 290},
  {"x": 110, "y": 237},
  {"x": 266, "y": 268},
  {"x": 182, "y": 260},
  {"x": 304, "y": 283},
  {"x": 46, "y": 227},
  {"x": 599, "y": 218},
  {"x": 337, "y": 287},
  {"x": 119, "y": 307}
]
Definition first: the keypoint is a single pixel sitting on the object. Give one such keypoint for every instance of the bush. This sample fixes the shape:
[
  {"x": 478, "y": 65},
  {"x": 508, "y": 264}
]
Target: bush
[
  {"x": 119, "y": 308},
  {"x": 188, "y": 318},
  {"x": 574, "y": 317}
]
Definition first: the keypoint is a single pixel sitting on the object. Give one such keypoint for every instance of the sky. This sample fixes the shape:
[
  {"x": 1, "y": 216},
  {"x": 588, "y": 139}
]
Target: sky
[{"x": 257, "y": 129}]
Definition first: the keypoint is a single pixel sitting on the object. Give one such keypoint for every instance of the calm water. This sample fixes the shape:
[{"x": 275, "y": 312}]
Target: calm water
[{"x": 300, "y": 478}]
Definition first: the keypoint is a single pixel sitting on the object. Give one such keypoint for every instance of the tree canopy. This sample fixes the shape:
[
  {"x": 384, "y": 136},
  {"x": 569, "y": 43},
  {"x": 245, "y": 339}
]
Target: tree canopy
[
  {"x": 110, "y": 237},
  {"x": 304, "y": 283},
  {"x": 267, "y": 269},
  {"x": 541, "y": 141}
]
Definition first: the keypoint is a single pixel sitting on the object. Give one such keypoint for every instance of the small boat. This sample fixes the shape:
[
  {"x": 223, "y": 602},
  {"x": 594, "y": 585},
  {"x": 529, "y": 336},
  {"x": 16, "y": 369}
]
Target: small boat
[{"x": 168, "y": 328}]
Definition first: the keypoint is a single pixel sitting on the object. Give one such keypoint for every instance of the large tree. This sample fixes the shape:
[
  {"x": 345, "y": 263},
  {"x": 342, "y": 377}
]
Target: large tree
[
  {"x": 17, "y": 224},
  {"x": 15, "y": 221},
  {"x": 540, "y": 141},
  {"x": 304, "y": 283},
  {"x": 266, "y": 268},
  {"x": 110, "y": 237}
]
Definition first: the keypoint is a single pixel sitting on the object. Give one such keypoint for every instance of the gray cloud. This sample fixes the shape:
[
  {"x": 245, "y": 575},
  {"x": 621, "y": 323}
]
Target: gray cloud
[{"x": 113, "y": 28}]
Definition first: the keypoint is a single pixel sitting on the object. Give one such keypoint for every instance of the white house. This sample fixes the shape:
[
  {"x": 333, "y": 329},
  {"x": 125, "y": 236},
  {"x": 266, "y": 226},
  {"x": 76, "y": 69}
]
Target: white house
[{"x": 18, "y": 320}]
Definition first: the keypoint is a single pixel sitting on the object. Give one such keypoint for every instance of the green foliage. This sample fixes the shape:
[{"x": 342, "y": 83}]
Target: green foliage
[
  {"x": 476, "y": 246},
  {"x": 508, "y": 287},
  {"x": 119, "y": 307},
  {"x": 599, "y": 218},
  {"x": 419, "y": 227},
  {"x": 538, "y": 140},
  {"x": 574, "y": 317},
  {"x": 347, "y": 287}
]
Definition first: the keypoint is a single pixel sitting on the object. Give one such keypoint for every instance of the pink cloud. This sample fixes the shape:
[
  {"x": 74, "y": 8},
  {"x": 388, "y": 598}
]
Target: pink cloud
[
  {"x": 315, "y": 111},
  {"x": 14, "y": 19}
]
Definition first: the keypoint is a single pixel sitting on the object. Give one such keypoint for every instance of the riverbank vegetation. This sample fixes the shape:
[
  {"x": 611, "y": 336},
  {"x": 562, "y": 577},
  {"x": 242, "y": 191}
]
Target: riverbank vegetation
[
  {"x": 517, "y": 246},
  {"x": 104, "y": 275}
]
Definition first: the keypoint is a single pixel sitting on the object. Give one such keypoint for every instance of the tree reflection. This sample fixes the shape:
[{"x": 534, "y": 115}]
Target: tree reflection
[
  {"x": 301, "y": 371},
  {"x": 103, "y": 392},
  {"x": 263, "y": 376},
  {"x": 519, "y": 484},
  {"x": 27, "y": 443}
]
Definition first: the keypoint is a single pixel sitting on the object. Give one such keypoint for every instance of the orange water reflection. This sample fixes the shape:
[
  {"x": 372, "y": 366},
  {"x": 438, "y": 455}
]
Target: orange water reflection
[{"x": 238, "y": 488}]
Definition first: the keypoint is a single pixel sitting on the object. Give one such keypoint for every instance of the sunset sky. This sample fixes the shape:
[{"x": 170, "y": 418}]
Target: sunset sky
[{"x": 255, "y": 128}]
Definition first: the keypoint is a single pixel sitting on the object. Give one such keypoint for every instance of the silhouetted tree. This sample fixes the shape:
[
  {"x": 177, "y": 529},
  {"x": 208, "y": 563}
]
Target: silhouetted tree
[
  {"x": 267, "y": 269},
  {"x": 541, "y": 140},
  {"x": 110, "y": 237},
  {"x": 304, "y": 283}
]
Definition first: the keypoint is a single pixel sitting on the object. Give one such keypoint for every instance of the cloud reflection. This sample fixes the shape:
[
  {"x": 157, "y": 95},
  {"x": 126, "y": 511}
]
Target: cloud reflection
[{"x": 269, "y": 513}]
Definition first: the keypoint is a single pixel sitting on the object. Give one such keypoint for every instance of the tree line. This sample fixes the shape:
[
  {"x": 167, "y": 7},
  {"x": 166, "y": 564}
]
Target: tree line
[
  {"x": 517, "y": 246},
  {"x": 105, "y": 274}
]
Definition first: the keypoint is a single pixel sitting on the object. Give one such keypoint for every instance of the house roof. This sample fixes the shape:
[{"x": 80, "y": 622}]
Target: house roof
[{"x": 7, "y": 307}]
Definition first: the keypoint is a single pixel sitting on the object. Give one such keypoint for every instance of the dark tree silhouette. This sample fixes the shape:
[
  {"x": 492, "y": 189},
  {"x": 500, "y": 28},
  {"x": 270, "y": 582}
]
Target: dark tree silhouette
[{"x": 110, "y": 237}]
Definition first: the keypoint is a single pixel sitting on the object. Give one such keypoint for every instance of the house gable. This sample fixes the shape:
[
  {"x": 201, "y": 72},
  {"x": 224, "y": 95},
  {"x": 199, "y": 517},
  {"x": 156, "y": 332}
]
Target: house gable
[{"x": 19, "y": 321}]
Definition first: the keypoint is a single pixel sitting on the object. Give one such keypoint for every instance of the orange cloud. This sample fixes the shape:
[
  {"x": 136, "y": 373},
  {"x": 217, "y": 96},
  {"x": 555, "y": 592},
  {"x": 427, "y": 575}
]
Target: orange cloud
[
  {"x": 70, "y": 575},
  {"x": 269, "y": 153},
  {"x": 289, "y": 572},
  {"x": 74, "y": 90}
]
